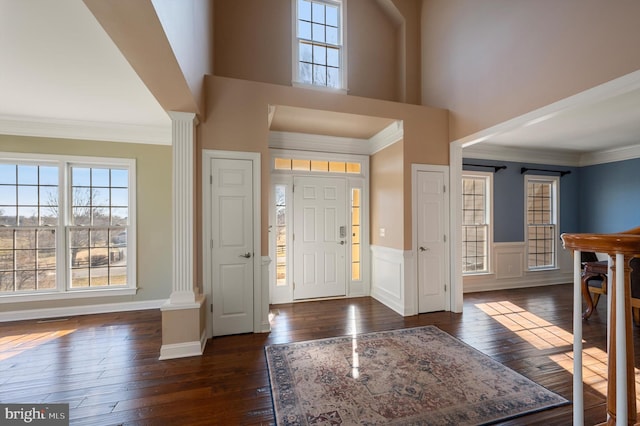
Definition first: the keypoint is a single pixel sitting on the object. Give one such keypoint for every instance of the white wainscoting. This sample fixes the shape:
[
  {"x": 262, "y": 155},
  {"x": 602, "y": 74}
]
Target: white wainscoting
[
  {"x": 392, "y": 278},
  {"x": 510, "y": 270}
]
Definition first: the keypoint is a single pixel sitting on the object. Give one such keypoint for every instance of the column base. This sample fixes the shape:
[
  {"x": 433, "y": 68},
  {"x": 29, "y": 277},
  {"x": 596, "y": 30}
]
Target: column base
[{"x": 184, "y": 331}]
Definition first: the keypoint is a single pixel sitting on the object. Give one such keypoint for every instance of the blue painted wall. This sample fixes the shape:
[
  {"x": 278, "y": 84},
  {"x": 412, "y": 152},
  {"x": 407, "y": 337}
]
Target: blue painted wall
[
  {"x": 610, "y": 197},
  {"x": 508, "y": 198}
]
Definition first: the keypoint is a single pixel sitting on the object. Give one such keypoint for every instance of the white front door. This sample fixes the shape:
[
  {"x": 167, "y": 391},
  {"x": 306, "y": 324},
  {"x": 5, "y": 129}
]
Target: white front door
[
  {"x": 232, "y": 245},
  {"x": 432, "y": 260},
  {"x": 319, "y": 237}
]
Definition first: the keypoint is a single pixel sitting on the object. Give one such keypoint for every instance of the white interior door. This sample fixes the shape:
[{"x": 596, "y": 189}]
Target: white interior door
[
  {"x": 432, "y": 260},
  {"x": 319, "y": 237},
  {"x": 232, "y": 246}
]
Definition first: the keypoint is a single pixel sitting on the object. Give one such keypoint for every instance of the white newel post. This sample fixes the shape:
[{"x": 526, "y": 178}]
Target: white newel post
[{"x": 183, "y": 330}]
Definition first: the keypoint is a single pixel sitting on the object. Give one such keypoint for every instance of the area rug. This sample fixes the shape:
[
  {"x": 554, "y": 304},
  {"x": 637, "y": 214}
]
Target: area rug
[{"x": 415, "y": 376}]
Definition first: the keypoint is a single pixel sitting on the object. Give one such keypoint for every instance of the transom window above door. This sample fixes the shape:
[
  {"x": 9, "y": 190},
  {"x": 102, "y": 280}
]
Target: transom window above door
[{"x": 304, "y": 165}]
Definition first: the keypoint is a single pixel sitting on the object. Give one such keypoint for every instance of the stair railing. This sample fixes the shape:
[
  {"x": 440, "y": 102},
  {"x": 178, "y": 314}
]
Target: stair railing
[{"x": 621, "y": 390}]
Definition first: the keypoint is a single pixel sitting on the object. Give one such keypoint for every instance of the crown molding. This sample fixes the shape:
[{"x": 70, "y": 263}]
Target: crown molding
[
  {"x": 610, "y": 155},
  {"x": 486, "y": 151},
  {"x": 311, "y": 142},
  {"x": 86, "y": 130},
  {"x": 387, "y": 136}
]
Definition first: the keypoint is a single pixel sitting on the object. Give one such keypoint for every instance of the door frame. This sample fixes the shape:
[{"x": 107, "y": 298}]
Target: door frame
[
  {"x": 413, "y": 290},
  {"x": 258, "y": 292},
  {"x": 358, "y": 288}
]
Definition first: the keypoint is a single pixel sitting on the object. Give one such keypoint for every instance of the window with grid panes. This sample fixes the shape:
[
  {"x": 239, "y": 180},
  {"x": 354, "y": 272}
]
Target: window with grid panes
[
  {"x": 541, "y": 216},
  {"x": 98, "y": 231},
  {"x": 56, "y": 238},
  {"x": 318, "y": 47},
  {"x": 475, "y": 223},
  {"x": 28, "y": 227}
]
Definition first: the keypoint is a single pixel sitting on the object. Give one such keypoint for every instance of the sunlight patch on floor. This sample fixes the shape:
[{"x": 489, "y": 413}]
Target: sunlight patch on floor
[
  {"x": 541, "y": 334},
  {"x": 11, "y": 346},
  {"x": 535, "y": 330}
]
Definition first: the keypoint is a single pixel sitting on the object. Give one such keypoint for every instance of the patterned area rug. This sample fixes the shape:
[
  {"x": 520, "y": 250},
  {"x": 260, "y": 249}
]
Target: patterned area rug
[{"x": 416, "y": 376}]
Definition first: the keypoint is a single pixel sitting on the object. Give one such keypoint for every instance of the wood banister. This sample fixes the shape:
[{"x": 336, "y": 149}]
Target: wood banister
[{"x": 621, "y": 390}]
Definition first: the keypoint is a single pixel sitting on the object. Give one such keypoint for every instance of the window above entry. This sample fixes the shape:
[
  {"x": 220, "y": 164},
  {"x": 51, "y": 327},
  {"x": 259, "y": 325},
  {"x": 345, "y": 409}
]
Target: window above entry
[{"x": 319, "y": 57}]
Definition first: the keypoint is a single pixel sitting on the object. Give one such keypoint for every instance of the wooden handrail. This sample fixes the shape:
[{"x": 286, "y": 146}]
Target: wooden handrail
[{"x": 621, "y": 392}]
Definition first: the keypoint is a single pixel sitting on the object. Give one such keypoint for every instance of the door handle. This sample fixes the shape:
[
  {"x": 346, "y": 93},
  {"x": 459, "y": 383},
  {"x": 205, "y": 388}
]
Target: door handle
[
  {"x": 341, "y": 243},
  {"x": 423, "y": 249},
  {"x": 247, "y": 255}
]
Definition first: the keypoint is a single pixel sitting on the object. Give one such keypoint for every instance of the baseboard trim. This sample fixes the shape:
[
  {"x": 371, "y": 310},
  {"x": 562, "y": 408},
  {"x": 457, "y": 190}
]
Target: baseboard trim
[
  {"x": 184, "y": 350},
  {"x": 68, "y": 311}
]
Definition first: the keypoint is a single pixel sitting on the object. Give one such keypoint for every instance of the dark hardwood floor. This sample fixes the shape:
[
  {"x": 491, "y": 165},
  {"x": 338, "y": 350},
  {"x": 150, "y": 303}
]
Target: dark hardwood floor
[{"x": 106, "y": 366}]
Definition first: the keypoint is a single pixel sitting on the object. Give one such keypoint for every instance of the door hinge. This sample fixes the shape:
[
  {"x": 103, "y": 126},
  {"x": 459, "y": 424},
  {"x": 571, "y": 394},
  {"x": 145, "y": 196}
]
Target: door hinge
[
  {"x": 445, "y": 287},
  {"x": 293, "y": 188},
  {"x": 211, "y": 307},
  {"x": 444, "y": 237},
  {"x": 211, "y": 243},
  {"x": 294, "y": 285},
  {"x": 293, "y": 237},
  {"x": 211, "y": 179},
  {"x": 444, "y": 188}
]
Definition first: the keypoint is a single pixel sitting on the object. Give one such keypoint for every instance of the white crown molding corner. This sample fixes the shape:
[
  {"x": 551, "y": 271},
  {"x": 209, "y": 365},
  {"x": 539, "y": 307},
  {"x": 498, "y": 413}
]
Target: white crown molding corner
[
  {"x": 386, "y": 137},
  {"x": 610, "y": 155},
  {"x": 86, "y": 130}
]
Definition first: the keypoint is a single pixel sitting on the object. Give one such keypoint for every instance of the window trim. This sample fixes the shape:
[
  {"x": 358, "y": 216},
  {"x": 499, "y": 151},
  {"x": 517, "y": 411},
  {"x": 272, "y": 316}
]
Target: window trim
[
  {"x": 63, "y": 288},
  {"x": 555, "y": 215},
  {"x": 488, "y": 177},
  {"x": 295, "y": 77}
]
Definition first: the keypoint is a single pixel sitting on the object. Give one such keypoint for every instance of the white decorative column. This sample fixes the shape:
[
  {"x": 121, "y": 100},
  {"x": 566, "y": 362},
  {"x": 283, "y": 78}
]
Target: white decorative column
[
  {"x": 183, "y": 139},
  {"x": 183, "y": 328}
]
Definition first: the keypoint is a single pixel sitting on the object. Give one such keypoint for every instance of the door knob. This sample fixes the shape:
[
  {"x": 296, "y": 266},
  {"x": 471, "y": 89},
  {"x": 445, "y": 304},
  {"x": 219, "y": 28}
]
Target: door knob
[
  {"x": 247, "y": 255},
  {"x": 423, "y": 249},
  {"x": 341, "y": 243}
]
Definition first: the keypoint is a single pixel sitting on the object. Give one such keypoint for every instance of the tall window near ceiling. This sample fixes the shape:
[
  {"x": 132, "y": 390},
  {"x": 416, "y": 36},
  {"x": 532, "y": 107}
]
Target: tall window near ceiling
[
  {"x": 318, "y": 48},
  {"x": 476, "y": 203},
  {"x": 542, "y": 221}
]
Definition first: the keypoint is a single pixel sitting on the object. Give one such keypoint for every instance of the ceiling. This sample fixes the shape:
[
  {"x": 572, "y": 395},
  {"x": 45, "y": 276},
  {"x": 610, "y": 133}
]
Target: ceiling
[
  {"x": 60, "y": 67},
  {"x": 608, "y": 123}
]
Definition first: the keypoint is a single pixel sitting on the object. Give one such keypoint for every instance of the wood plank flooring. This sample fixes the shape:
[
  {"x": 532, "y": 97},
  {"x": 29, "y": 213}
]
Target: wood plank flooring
[{"x": 106, "y": 366}]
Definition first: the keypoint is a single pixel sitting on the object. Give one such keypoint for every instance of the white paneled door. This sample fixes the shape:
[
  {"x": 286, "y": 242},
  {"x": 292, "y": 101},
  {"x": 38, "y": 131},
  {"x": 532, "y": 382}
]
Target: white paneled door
[
  {"x": 320, "y": 237},
  {"x": 432, "y": 261},
  {"x": 232, "y": 246}
]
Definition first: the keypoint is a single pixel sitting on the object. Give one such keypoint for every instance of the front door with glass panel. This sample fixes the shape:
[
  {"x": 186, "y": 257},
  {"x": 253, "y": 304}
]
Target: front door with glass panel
[{"x": 320, "y": 237}]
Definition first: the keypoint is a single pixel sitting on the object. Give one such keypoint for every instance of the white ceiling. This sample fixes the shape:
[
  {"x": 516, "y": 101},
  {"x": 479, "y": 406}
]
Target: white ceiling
[
  {"x": 59, "y": 67},
  {"x": 609, "y": 123},
  {"x": 61, "y": 70}
]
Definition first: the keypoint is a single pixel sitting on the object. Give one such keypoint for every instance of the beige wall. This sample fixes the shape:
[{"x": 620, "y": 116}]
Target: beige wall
[
  {"x": 387, "y": 197},
  {"x": 253, "y": 42},
  {"x": 153, "y": 166},
  {"x": 492, "y": 60},
  {"x": 237, "y": 121},
  {"x": 171, "y": 68}
]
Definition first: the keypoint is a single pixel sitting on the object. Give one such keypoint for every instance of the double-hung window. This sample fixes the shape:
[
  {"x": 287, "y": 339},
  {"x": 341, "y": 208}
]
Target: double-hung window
[
  {"x": 66, "y": 226},
  {"x": 476, "y": 221},
  {"x": 541, "y": 221},
  {"x": 318, "y": 43}
]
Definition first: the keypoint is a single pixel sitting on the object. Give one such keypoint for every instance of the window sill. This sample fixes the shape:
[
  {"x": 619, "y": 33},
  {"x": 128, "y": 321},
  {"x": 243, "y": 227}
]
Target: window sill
[
  {"x": 552, "y": 268},
  {"x": 341, "y": 91},
  {"x": 75, "y": 294}
]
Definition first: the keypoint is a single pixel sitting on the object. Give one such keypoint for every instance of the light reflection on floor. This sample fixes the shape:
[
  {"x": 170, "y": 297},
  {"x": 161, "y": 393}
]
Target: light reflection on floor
[
  {"x": 543, "y": 335},
  {"x": 11, "y": 346}
]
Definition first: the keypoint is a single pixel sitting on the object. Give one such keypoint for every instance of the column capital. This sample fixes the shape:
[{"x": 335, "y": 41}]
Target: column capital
[{"x": 184, "y": 116}]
